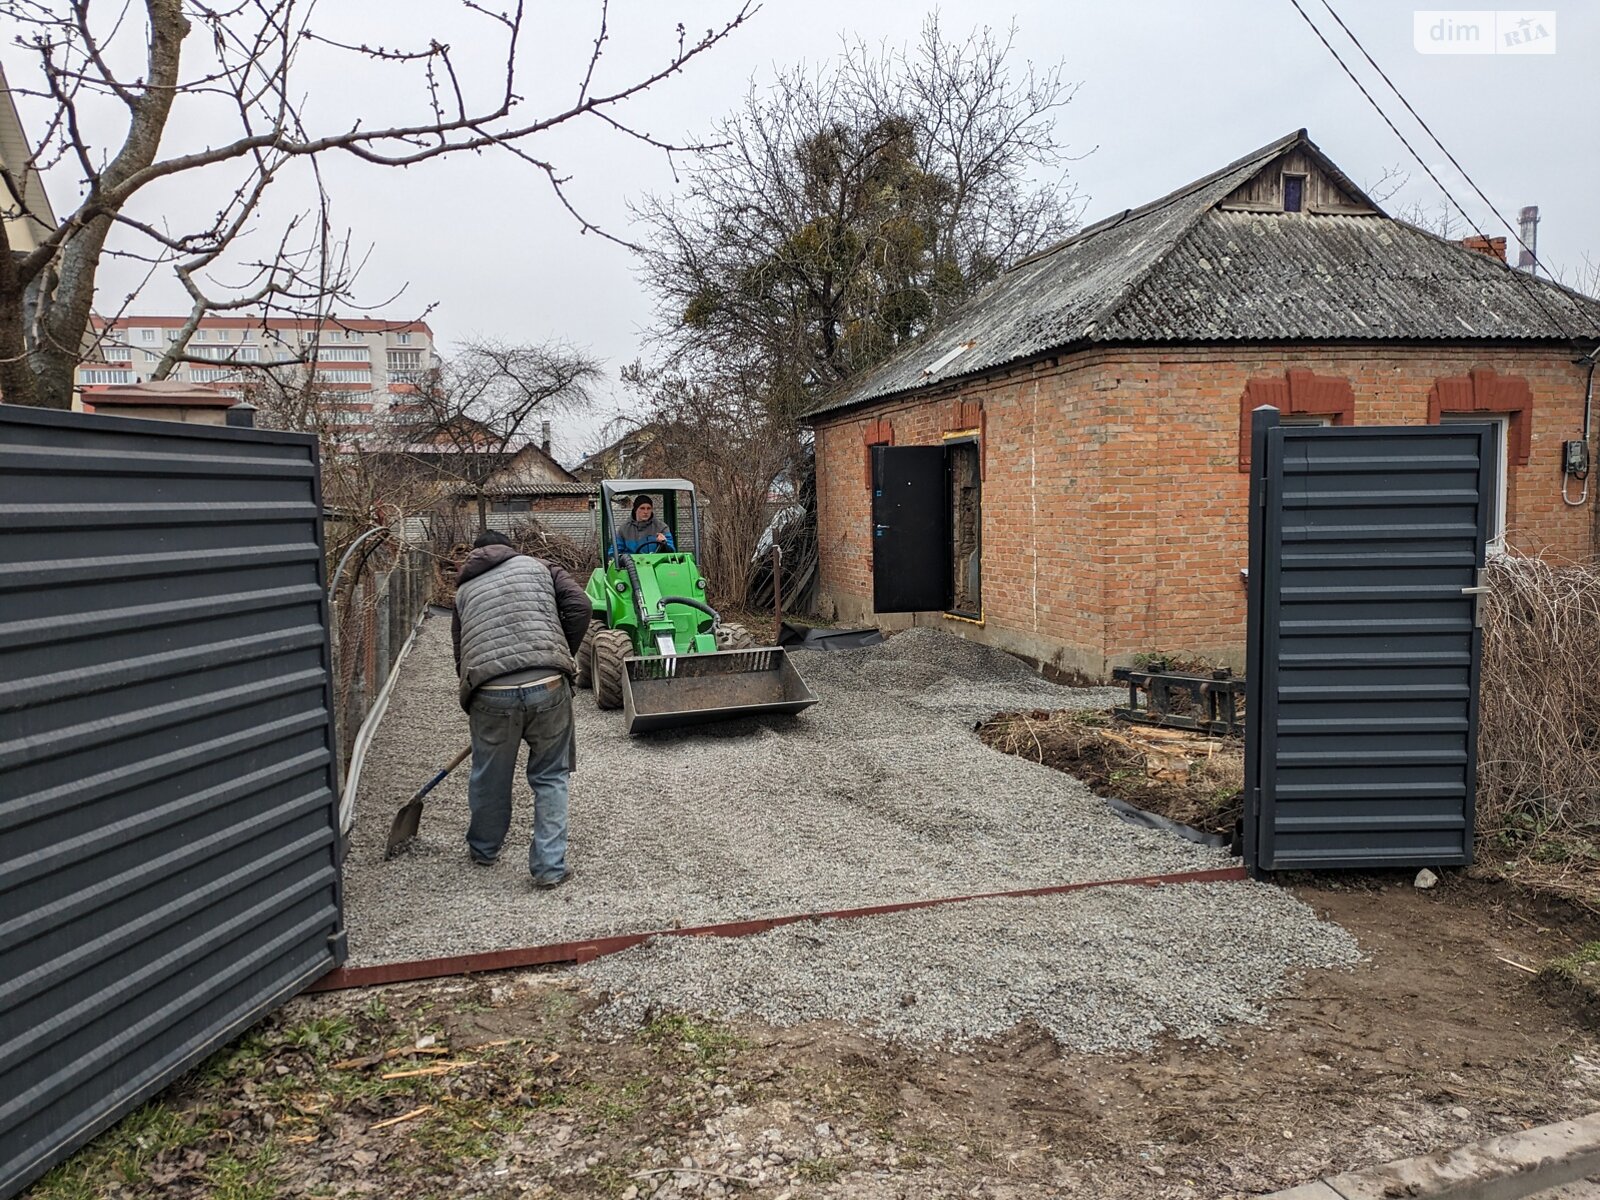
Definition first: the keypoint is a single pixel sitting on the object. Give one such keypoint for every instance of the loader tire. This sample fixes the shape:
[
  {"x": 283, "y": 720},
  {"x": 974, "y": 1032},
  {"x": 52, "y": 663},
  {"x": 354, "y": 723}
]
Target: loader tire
[
  {"x": 735, "y": 637},
  {"x": 610, "y": 646},
  {"x": 585, "y": 655}
]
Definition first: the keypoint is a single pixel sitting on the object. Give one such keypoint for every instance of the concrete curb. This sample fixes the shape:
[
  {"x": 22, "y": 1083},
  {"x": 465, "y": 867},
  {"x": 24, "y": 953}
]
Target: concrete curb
[{"x": 1501, "y": 1168}]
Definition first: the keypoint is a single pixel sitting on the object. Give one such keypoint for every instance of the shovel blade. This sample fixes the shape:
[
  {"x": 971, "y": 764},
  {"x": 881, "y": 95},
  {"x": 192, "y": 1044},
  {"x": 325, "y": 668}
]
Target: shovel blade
[{"x": 406, "y": 824}]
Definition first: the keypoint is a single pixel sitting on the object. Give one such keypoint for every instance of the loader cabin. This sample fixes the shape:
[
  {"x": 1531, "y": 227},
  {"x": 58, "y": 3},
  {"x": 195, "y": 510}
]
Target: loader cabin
[
  {"x": 1061, "y": 468},
  {"x": 671, "y": 498}
]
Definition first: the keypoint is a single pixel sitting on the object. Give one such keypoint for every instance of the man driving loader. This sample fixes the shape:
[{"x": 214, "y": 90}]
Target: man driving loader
[{"x": 643, "y": 532}]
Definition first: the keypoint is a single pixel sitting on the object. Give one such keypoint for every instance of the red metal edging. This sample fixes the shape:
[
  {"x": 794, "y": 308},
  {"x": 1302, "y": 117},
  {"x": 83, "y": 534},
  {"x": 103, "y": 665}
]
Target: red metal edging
[{"x": 586, "y": 951}]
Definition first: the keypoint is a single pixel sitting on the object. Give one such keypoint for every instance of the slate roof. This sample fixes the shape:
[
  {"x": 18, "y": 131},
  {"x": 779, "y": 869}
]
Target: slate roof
[{"x": 1179, "y": 270}]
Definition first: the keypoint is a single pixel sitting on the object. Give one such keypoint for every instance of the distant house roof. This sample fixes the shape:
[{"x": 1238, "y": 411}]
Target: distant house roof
[
  {"x": 514, "y": 449},
  {"x": 16, "y": 157},
  {"x": 543, "y": 488},
  {"x": 626, "y": 450},
  {"x": 1186, "y": 268},
  {"x": 158, "y": 393}
]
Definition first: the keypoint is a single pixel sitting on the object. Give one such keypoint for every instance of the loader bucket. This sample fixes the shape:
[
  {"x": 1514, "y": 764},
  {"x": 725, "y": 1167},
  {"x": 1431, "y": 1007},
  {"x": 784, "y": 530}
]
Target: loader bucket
[{"x": 669, "y": 692}]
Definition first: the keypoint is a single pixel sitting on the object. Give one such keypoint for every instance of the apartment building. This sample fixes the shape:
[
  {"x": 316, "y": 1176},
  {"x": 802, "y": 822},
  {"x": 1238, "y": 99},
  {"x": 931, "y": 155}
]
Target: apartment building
[{"x": 370, "y": 361}]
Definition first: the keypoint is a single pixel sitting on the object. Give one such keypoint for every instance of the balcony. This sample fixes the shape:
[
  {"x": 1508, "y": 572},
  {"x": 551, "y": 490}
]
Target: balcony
[{"x": 90, "y": 376}]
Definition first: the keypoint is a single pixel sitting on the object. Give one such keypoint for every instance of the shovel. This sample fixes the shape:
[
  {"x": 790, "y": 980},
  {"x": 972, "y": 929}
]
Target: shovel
[{"x": 409, "y": 818}]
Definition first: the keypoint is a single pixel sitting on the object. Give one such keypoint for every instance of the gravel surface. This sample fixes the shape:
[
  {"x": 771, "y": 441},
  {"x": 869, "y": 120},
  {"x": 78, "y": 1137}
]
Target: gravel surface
[
  {"x": 1102, "y": 969},
  {"x": 880, "y": 793}
]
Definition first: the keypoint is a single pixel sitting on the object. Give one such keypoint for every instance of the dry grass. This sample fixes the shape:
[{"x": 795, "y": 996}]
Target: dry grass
[
  {"x": 1539, "y": 733},
  {"x": 1189, "y": 778}
]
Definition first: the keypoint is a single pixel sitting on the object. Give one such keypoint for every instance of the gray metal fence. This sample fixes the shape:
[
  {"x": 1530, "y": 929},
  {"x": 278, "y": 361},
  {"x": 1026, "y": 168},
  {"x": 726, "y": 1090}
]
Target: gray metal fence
[
  {"x": 1366, "y": 552},
  {"x": 169, "y": 859},
  {"x": 376, "y": 607}
]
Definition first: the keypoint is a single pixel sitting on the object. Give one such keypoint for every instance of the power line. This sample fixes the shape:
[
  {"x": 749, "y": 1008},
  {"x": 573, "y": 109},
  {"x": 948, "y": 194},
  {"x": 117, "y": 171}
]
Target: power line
[
  {"x": 1426, "y": 128},
  {"x": 1533, "y": 284}
]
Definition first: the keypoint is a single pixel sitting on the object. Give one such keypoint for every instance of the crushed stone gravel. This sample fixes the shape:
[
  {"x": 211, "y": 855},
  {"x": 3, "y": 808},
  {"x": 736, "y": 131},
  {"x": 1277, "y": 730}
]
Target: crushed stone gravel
[
  {"x": 1102, "y": 969},
  {"x": 880, "y": 793}
]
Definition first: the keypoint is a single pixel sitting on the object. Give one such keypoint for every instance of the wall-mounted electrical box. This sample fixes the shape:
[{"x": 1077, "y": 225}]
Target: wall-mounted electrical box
[{"x": 1575, "y": 459}]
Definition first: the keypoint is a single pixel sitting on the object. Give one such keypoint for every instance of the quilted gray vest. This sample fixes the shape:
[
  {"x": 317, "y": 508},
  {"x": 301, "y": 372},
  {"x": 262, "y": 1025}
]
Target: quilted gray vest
[{"x": 510, "y": 622}]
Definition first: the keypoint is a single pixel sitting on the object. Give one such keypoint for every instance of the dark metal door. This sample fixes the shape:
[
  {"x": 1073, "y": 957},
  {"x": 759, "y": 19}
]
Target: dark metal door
[
  {"x": 910, "y": 529},
  {"x": 1367, "y": 547},
  {"x": 169, "y": 817}
]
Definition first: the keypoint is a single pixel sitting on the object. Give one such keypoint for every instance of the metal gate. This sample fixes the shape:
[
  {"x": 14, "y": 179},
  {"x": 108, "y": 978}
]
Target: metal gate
[
  {"x": 1366, "y": 552},
  {"x": 169, "y": 857}
]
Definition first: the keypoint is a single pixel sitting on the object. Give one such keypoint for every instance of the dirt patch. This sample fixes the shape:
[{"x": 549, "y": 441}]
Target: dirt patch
[
  {"x": 1189, "y": 778},
  {"x": 500, "y": 1087}
]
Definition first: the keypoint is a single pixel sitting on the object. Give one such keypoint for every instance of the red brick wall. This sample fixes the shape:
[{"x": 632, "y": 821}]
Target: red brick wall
[{"x": 1113, "y": 505}]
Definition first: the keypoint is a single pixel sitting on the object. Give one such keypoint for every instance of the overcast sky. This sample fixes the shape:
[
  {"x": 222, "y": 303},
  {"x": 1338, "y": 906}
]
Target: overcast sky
[{"x": 1171, "y": 89}]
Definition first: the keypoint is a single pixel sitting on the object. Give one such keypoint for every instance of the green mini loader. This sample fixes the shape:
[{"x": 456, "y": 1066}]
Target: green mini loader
[{"x": 655, "y": 648}]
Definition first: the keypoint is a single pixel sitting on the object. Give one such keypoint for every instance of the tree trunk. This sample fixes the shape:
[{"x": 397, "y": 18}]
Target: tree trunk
[
  {"x": 64, "y": 288},
  {"x": 16, "y": 376}
]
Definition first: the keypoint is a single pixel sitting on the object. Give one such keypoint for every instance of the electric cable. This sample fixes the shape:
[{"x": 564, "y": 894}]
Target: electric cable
[
  {"x": 1445, "y": 150},
  {"x": 1533, "y": 292}
]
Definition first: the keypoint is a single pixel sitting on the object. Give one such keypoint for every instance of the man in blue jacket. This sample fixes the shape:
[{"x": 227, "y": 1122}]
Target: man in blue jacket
[{"x": 643, "y": 532}]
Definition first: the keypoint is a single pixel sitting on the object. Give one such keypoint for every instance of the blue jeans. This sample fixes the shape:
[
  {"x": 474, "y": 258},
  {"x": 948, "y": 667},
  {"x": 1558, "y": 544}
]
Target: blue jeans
[{"x": 501, "y": 721}]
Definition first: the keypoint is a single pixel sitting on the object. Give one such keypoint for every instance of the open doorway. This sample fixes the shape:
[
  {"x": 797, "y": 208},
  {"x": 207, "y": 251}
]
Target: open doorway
[
  {"x": 927, "y": 522},
  {"x": 966, "y": 529}
]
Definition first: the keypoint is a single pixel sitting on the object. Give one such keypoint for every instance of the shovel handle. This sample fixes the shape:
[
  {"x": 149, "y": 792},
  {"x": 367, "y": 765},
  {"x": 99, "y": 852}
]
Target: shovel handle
[{"x": 439, "y": 778}]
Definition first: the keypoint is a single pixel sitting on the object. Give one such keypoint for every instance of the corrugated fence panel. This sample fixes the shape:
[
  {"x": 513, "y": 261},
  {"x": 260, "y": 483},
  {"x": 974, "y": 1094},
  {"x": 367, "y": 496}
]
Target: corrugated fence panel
[
  {"x": 1374, "y": 538},
  {"x": 169, "y": 858}
]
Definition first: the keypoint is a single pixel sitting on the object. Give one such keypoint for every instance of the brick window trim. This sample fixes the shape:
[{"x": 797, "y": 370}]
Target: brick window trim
[
  {"x": 1483, "y": 390},
  {"x": 968, "y": 417},
  {"x": 879, "y": 432},
  {"x": 1297, "y": 393}
]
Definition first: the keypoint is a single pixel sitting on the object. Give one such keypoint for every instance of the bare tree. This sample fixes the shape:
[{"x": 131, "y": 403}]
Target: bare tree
[
  {"x": 1390, "y": 182},
  {"x": 466, "y": 422},
  {"x": 245, "y": 59},
  {"x": 1440, "y": 220},
  {"x": 840, "y": 212},
  {"x": 1584, "y": 276}
]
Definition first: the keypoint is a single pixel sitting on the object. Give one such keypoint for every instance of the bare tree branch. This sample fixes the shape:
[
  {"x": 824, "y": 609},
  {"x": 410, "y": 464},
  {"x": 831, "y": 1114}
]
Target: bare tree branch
[{"x": 248, "y": 54}]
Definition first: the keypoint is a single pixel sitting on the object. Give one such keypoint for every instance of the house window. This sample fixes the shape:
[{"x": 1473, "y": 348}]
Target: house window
[
  {"x": 147, "y": 335},
  {"x": 1294, "y": 188},
  {"x": 1312, "y": 420},
  {"x": 1501, "y": 426},
  {"x": 222, "y": 335},
  {"x": 200, "y": 335},
  {"x": 403, "y": 338}
]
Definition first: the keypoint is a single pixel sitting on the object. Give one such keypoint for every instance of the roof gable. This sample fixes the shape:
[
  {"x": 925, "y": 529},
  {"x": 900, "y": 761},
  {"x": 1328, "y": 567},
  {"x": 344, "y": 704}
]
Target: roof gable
[{"x": 1324, "y": 188}]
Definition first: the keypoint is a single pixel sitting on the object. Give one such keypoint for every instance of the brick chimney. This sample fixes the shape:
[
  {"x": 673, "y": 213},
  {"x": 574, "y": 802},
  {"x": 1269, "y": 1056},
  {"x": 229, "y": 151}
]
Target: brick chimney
[
  {"x": 1494, "y": 247},
  {"x": 544, "y": 426}
]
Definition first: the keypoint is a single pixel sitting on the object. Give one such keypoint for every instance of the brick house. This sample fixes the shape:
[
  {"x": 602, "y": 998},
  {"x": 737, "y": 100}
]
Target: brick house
[{"x": 1092, "y": 407}]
